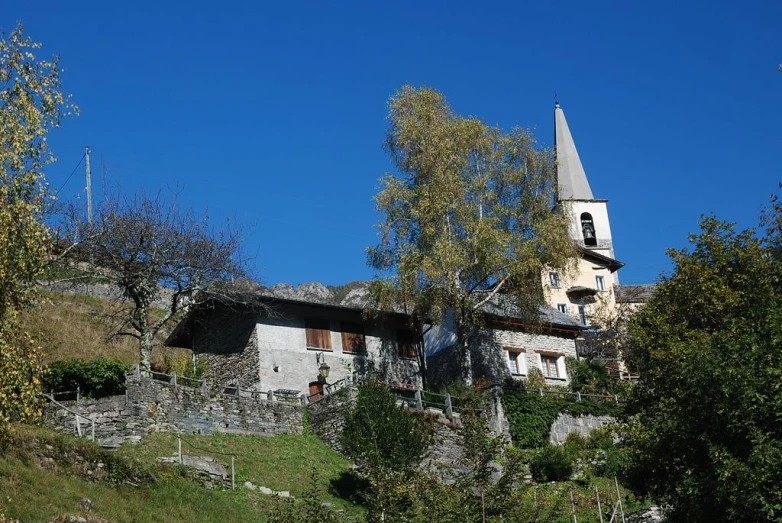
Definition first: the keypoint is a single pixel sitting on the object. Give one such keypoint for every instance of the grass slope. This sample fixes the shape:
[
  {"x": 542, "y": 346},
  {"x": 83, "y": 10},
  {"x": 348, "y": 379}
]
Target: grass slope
[
  {"x": 71, "y": 326},
  {"x": 29, "y": 492}
]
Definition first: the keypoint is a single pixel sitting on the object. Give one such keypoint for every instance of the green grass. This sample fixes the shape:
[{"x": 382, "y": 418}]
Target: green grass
[{"x": 30, "y": 493}]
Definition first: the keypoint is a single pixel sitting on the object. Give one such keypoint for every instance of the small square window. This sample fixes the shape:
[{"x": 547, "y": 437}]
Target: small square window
[
  {"x": 562, "y": 307},
  {"x": 600, "y": 283},
  {"x": 553, "y": 279},
  {"x": 318, "y": 334}
]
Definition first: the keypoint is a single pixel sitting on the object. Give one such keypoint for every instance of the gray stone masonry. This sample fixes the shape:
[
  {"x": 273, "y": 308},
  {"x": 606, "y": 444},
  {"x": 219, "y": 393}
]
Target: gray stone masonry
[
  {"x": 151, "y": 405},
  {"x": 566, "y": 424}
]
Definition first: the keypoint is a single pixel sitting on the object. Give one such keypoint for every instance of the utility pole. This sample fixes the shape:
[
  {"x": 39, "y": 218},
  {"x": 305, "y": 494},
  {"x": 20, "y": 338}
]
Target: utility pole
[{"x": 89, "y": 185}]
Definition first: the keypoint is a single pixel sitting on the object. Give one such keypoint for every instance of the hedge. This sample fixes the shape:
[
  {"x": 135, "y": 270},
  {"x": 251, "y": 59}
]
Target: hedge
[{"x": 95, "y": 378}]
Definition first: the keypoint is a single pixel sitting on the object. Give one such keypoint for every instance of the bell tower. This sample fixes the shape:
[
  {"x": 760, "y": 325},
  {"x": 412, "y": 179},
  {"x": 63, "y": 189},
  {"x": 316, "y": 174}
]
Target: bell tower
[{"x": 589, "y": 225}]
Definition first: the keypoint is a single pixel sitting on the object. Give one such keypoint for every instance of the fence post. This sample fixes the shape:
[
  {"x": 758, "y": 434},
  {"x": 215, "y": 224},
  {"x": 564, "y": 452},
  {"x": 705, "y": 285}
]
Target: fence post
[
  {"x": 616, "y": 398},
  {"x": 78, "y": 425},
  {"x": 78, "y": 395},
  {"x": 578, "y": 396},
  {"x": 303, "y": 400},
  {"x": 448, "y": 405},
  {"x": 419, "y": 402},
  {"x": 173, "y": 379},
  {"x": 619, "y": 500},
  {"x": 204, "y": 387},
  {"x": 599, "y": 510},
  {"x": 93, "y": 430},
  {"x": 233, "y": 474},
  {"x": 269, "y": 395},
  {"x": 179, "y": 440},
  {"x": 540, "y": 391}
]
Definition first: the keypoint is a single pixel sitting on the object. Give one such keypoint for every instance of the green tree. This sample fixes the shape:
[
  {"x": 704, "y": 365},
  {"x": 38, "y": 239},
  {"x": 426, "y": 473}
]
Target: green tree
[
  {"x": 386, "y": 442},
  {"x": 467, "y": 216},
  {"x": 31, "y": 104},
  {"x": 706, "y": 424}
]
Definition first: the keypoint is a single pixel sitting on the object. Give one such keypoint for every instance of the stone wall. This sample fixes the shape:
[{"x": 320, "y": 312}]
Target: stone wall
[
  {"x": 151, "y": 405},
  {"x": 326, "y": 417},
  {"x": 566, "y": 424}
]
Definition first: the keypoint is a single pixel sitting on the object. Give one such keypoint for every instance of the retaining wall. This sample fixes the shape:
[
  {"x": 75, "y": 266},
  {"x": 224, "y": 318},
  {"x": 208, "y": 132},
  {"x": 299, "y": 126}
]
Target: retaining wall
[
  {"x": 567, "y": 424},
  {"x": 150, "y": 405}
]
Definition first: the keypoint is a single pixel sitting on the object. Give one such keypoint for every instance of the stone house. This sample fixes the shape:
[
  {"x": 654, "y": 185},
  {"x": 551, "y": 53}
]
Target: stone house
[
  {"x": 278, "y": 339},
  {"x": 507, "y": 347}
]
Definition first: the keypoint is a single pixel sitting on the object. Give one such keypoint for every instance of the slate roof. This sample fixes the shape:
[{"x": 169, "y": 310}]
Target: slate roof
[
  {"x": 634, "y": 293},
  {"x": 503, "y": 306}
]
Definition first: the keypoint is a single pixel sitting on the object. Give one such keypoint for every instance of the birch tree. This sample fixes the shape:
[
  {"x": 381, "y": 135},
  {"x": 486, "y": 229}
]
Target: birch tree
[
  {"x": 31, "y": 104},
  {"x": 466, "y": 216}
]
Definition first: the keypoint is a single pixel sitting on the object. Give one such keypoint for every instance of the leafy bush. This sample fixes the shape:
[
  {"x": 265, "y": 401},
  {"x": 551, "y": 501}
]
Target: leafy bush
[
  {"x": 181, "y": 363},
  {"x": 95, "y": 378},
  {"x": 553, "y": 463},
  {"x": 379, "y": 435}
]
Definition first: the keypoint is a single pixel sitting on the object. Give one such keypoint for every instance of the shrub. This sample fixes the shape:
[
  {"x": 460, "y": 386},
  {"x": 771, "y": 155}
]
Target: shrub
[
  {"x": 379, "y": 435},
  {"x": 95, "y": 378},
  {"x": 553, "y": 463}
]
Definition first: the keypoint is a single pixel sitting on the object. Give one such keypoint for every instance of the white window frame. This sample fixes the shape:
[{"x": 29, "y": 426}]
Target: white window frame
[
  {"x": 583, "y": 314},
  {"x": 562, "y": 307},
  {"x": 520, "y": 359},
  {"x": 600, "y": 282},
  {"x": 553, "y": 279},
  {"x": 559, "y": 364}
]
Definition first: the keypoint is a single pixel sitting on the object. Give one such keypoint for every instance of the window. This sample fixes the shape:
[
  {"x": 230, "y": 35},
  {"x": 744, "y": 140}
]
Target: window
[
  {"x": 582, "y": 314},
  {"x": 588, "y": 229},
  {"x": 516, "y": 362},
  {"x": 406, "y": 342},
  {"x": 553, "y": 279},
  {"x": 562, "y": 307},
  {"x": 353, "y": 339},
  {"x": 600, "y": 283},
  {"x": 318, "y": 334},
  {"x": 548, "y": 364}
]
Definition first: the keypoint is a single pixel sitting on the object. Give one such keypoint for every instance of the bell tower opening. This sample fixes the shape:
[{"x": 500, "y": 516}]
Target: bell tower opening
[{"x": 588, "y": 229}]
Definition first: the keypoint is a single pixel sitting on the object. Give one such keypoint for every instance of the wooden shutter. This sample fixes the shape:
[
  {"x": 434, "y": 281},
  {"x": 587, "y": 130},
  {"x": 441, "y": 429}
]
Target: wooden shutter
[
  {"x": 318, "y": 334},
  {"x": 406, "y": 341},
  {"x": 353, "y": 339}
]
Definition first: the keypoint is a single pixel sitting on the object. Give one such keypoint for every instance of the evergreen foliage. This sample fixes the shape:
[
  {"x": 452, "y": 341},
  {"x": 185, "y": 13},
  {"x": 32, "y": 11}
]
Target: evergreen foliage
[
  {"x": 95, "y": 378},
  {"x": 706, "y": 430}
]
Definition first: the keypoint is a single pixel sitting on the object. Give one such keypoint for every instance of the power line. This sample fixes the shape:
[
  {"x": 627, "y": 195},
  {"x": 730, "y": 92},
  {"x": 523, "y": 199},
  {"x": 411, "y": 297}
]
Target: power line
[{"x": 70, "y": 175}]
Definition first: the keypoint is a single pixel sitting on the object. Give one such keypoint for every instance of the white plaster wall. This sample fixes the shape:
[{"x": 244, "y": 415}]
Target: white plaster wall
[
  {"x": 599, "y": 211},
  {"x": 582, "y": 274},
  {"x": 282, "y": 344}
]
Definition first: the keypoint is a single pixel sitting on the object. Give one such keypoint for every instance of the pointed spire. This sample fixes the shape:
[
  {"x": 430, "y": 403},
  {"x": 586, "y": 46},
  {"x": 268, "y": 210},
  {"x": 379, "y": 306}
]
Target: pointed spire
[{"x": 571, "y": 178}]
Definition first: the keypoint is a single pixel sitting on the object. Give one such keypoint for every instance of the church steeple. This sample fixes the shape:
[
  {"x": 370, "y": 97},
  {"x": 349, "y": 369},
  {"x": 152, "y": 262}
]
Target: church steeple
[
  {"x": 571, "y": 178},
  {"x": 589, "y": 225}
]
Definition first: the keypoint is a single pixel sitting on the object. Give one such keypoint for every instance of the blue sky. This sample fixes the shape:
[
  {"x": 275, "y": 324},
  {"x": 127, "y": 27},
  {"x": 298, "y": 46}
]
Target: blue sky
[{"x": 274, "y": 114}]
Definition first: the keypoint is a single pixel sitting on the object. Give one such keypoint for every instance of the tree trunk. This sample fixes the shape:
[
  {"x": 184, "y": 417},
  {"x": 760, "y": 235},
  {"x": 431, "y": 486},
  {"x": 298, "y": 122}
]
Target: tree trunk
[
  {"x": 463, "y": 350},
  {"x": 145, "y": 349}
]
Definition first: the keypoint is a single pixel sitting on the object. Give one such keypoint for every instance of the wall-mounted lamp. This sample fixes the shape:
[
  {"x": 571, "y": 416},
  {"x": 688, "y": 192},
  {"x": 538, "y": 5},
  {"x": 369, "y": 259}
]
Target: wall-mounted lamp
[{"x": 323, "y": 368}]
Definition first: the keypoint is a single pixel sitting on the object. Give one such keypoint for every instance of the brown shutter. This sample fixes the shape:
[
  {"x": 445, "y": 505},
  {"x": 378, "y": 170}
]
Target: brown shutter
[
  {"x": 406, "y": 341},
  {"x": 353, "y": 339},
  {"x": 318, "y": 334}
]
